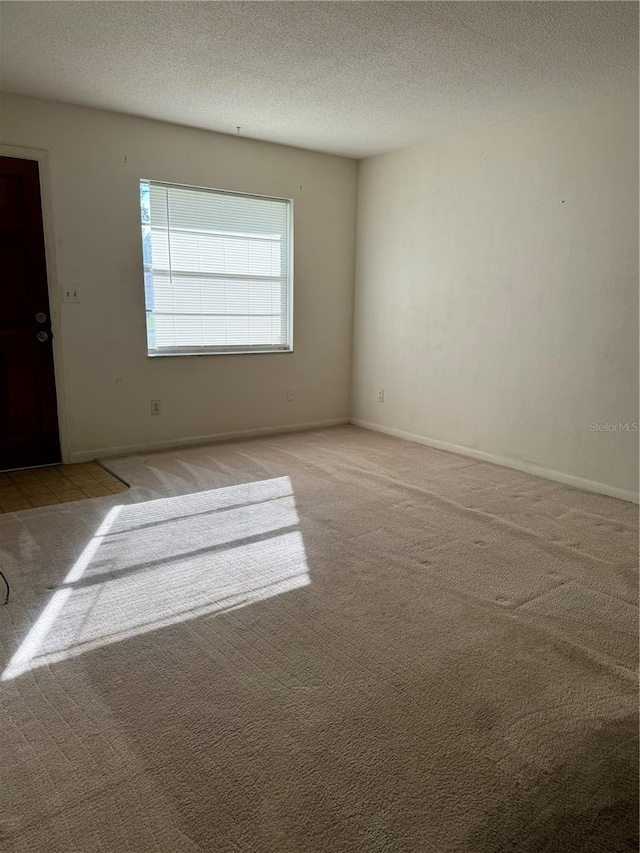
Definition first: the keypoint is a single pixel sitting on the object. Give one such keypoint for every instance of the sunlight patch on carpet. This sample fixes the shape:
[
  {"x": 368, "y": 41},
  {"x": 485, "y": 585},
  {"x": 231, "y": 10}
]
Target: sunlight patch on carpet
[{"x": 154, "y": 564}]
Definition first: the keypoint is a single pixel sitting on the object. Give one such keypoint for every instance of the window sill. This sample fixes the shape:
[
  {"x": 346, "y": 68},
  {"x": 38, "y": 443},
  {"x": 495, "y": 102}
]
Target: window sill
[{"x": 221, "y": 352}]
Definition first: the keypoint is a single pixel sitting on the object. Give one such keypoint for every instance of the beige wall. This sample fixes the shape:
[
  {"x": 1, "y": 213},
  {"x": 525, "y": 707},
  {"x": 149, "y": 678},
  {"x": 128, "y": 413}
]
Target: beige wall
[
  {"x": 496, "y": 300},
  {"x": 106, "y": 380},
  {"x": 497, "y": 292}
]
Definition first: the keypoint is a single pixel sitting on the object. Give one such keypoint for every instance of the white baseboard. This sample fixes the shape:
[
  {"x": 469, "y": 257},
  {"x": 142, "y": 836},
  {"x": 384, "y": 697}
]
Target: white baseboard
[
  {"x": 528, "y": 468},
  {"x": 195, "y": 440}
]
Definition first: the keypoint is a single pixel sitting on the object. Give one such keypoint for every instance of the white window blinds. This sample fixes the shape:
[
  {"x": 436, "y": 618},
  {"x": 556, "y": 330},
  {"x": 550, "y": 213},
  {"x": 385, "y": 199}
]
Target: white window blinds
[{"x": 217, "y": 270}]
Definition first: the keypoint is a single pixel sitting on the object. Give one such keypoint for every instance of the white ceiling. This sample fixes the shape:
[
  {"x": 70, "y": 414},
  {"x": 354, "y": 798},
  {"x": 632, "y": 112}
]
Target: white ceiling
[{"x": 352, "y": 78}]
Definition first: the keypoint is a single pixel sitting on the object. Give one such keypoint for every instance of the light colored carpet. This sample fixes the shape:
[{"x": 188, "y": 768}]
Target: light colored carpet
[{"x": 325, "y": 642}]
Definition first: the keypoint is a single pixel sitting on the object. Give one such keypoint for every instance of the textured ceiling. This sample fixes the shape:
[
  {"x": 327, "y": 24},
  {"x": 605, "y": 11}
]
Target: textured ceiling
[{"x": 352, "y": 78}]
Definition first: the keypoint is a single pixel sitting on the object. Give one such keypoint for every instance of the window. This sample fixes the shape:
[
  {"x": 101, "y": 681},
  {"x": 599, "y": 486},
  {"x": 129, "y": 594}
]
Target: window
[{"x": 217, "y": 270}]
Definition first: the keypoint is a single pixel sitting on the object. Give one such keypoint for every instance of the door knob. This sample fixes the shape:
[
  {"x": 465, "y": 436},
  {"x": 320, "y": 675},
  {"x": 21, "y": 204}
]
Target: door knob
[{"x": 42, "y": 337}]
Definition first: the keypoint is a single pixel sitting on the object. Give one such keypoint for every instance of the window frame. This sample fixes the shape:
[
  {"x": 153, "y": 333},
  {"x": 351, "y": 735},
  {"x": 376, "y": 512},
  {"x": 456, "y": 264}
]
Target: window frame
[{"x": 242, "y": 349}]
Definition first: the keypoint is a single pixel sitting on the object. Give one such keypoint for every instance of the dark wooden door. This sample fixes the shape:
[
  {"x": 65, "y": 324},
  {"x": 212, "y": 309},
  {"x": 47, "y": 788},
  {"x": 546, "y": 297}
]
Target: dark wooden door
[{"x": 28, "y": 410}]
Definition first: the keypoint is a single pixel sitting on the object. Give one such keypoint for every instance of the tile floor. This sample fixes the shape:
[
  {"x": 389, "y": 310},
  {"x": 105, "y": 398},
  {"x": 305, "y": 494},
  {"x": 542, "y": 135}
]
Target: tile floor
[{"x": 56, "y": 485}]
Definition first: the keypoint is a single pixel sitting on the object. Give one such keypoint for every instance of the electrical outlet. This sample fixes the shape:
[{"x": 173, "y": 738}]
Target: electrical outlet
[
  {"x": 381, "y": 395},
  {"x": 291, "y": 395},
  {"x": 155, "y": 407},
  {"x": 71, "y": 293}
]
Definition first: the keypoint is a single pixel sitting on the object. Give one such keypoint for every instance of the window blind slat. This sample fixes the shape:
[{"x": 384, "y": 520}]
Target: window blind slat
[{"x": 217, "y": 270}]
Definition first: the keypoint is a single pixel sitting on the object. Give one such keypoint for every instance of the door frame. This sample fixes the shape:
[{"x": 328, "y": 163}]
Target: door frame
[{"x": 41, "y": 156}]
